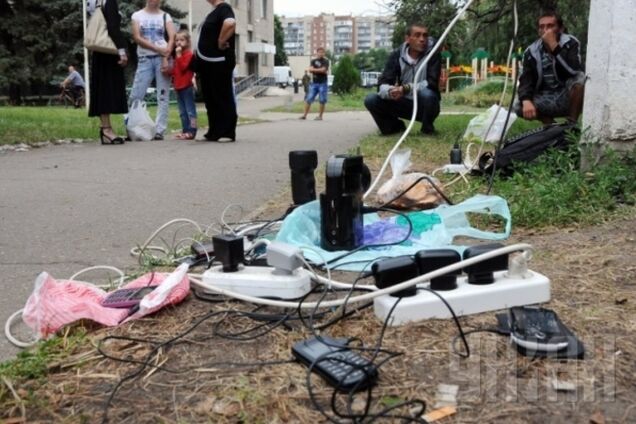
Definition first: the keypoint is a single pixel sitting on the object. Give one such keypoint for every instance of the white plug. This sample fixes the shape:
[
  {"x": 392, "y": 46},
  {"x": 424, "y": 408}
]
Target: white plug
[{"x": 284, "y": 257}]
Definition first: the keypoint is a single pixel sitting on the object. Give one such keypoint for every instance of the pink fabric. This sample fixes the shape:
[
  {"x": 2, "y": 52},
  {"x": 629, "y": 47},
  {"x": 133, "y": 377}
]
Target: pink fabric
[{"x": 56, "y": 303}]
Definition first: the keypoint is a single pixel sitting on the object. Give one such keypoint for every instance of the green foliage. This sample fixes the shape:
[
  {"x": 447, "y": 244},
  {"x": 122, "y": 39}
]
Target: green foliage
[
  {"x": 488, "y": 23},
  {"x": 373, "y": 60},
  {"x": 34, "y": 362},
  {"x": 553, "y": 192},
  {"x": 484, "y": 94},
  {"x": 280, "y": 59},
  {"x": 345, "y": 76},
  {"x": 549, "y": 192},
  {"x": 39, "y": 39}
]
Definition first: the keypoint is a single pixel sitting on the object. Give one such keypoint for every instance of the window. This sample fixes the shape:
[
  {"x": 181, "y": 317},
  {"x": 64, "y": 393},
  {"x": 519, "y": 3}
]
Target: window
[{"x": 263, "y": 9}]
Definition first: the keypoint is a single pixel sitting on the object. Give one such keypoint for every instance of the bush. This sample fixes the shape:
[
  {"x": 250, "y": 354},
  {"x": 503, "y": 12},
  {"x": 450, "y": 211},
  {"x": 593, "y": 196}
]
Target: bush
[{"x": 345, "y": 76}]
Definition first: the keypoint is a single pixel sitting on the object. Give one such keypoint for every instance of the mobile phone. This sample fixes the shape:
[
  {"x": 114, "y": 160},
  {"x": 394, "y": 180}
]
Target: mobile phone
[
  {"x": 126, "y": 298},
  {"x": 336, "y": 363},
  {"x": 537, "y": 329}
]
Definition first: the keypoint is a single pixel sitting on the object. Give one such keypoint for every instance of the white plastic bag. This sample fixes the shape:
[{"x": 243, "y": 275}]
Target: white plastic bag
[
  {"x": 488, "y": 126},
  {"x": 422, "y": 195},
  {"x": 138, "y": 123}
]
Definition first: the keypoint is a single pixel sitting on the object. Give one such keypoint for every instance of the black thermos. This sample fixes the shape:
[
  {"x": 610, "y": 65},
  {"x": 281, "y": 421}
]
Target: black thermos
[{"x": 302, "y": 164}]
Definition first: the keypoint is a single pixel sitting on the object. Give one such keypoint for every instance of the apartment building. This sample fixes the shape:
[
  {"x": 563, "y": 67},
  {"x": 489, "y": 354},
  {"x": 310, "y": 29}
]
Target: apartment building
[
  {"x": 336, "y": 33},
  {"x": 254, "y": 31}
]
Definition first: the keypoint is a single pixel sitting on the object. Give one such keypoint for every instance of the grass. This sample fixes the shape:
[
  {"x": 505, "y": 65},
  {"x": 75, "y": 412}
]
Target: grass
[
  {"x": 549, "y": 192},
  {"x": 34, "y": 363},
  {"x": 36, "y": 124}
]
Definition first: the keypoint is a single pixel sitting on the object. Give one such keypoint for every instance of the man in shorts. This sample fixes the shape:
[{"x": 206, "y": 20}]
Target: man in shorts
[
  {"x": 552, "y": 82},
  {"x": 319, "y": 69}
]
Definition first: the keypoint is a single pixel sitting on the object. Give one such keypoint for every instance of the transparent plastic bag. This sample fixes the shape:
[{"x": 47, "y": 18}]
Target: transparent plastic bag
[
  {"x": 422, "y": 195},
  {"x": 139, "y": 124},
  {"x": 489, "y": 125}
]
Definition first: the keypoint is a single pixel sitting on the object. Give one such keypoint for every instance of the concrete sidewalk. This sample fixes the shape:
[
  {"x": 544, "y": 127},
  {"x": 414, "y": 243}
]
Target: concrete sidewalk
[{"x": 63, "y": 208}]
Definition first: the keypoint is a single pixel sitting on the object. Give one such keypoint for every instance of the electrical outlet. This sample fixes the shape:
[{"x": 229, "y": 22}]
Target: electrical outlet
[
  {"x": 466, "y": 299},
  {"x": 260, "y": 281}
]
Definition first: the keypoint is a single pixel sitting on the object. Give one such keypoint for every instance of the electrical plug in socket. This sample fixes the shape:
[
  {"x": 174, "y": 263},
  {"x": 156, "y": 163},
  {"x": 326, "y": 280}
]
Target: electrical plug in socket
[{"x": 285, "y": 280}]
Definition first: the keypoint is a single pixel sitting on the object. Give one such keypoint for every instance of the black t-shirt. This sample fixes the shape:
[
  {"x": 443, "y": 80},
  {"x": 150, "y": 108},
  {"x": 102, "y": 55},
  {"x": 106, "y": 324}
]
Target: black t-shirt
[
  {"x": 208, "y": 45},
  {"x": 320, "y": 63}
]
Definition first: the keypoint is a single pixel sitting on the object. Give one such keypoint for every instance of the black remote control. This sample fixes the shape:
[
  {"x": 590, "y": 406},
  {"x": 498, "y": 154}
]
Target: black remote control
[
  {"x": 537, "y": 329},
  {"x": 336, "y": 363}
]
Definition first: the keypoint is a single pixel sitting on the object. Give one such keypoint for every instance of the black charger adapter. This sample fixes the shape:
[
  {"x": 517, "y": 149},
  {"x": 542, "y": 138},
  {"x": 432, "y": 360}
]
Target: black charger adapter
[
  {"x": 391, "y": 271},
  {"x": 482, "y": 272},
  {"x": 434, "y": 259},
  {"x": 229, "y": 251}
]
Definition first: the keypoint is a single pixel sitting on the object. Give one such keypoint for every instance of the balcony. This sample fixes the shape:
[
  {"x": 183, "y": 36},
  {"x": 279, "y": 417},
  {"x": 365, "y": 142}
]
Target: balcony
[{"x": 260, "y": 48}]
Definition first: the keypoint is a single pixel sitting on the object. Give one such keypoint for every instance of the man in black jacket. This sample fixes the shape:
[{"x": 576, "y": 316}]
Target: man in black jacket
[
  {"x": 552, "y": 82},
  {"x": 394, "y": 99}
]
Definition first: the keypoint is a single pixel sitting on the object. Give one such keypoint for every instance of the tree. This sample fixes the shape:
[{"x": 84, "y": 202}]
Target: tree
[
  {"x": 345, "y": 76},
  {"x": 280, "y": 59},
  {"x": 38, "y": 39},
  {"x": 488, "y": 23},
  {"x": 373, "y": 60}
]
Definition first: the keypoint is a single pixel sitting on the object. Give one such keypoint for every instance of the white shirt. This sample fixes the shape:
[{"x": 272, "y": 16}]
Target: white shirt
[{"x": 151, "y": 28}]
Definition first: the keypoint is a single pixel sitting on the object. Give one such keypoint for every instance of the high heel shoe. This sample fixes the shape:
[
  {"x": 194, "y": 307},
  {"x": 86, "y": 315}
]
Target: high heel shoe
[{"x": 106, "y": 139}]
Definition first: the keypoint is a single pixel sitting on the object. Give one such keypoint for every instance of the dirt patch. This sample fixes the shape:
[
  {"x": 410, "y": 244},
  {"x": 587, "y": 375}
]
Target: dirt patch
[{"x": 231, "y": 368}]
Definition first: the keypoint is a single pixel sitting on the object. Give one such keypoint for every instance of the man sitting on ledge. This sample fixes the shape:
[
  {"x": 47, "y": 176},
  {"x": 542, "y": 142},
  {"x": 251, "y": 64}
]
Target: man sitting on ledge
[
  {"x": 552, "y": 82},
  {"x": 394, "y": 99}
]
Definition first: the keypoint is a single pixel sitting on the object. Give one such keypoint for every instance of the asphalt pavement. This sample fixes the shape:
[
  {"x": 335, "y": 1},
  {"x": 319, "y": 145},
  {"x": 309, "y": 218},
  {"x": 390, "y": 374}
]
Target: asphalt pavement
[{"x": 67, "y": 207}]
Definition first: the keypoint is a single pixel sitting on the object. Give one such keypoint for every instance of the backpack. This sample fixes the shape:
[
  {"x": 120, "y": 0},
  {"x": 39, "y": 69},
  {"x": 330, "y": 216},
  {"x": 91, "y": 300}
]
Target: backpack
[{"x": 526, "y": 147}]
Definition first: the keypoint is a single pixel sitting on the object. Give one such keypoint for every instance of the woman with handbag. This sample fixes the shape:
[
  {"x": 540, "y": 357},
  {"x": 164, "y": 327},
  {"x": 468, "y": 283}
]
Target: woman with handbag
[
  {"x": 107, "y": 84},
  {"x": 153, "y": 31}
]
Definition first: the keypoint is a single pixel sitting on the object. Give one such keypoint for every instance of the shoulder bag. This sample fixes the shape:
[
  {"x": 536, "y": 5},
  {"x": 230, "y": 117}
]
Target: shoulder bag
[{"x": 96, "y": 38}]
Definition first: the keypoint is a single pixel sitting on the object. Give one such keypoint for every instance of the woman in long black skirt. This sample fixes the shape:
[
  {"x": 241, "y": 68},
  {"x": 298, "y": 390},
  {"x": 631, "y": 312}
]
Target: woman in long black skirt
[
  {"x": 107, "y": 84},
  {"x": 215, "y": 65}
]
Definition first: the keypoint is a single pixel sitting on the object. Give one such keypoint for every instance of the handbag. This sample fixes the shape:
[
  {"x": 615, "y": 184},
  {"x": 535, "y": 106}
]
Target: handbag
[{"x": 96, "y": 38}]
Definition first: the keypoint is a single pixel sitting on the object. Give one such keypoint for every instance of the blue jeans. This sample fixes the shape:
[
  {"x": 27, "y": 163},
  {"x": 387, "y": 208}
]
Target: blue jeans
[
  {"x": 387, "y": 112},
  {"x": 187, "y": 110},
  {"x": 317, "y": 89},
  {"x": 149, "y": 69}
]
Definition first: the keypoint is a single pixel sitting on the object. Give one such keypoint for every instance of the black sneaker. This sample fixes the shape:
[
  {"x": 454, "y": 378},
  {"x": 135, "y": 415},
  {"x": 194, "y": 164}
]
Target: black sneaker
[{"x": 158, "y": 137}]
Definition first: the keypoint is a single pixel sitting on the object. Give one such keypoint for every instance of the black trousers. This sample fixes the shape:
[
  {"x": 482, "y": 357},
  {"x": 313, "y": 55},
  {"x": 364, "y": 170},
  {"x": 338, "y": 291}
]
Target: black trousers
[
  {"x": 218, "y": 95},
  {"x": 387, "y": 113}
]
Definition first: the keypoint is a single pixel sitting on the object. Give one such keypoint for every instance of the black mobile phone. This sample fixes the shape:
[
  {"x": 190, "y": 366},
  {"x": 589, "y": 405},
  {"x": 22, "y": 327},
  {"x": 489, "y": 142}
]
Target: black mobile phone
[
  {"x": 537, "y": 329},
  {"x": 336, "y": 363},
  {"x": 126, "y": 298}
]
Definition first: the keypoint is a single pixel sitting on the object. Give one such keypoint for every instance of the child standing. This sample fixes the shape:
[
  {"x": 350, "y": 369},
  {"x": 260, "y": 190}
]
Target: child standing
[{"x": 184, "y": 86}]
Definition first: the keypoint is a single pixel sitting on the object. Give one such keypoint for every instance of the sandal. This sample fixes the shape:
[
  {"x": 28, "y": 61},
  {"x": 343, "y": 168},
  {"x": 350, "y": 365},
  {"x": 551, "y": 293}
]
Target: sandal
[
  {"x": 181, "y": 136},
  {"x": 104, "y": 139},
  {"x": 189, "y": 136}
]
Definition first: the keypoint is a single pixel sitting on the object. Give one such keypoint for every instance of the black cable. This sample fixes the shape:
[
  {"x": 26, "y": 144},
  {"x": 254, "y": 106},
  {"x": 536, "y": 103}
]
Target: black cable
[
  {"x": 369, "y": 246},
  {"x": 423, "y": 177},
  {"x": 159, "y": 345}
]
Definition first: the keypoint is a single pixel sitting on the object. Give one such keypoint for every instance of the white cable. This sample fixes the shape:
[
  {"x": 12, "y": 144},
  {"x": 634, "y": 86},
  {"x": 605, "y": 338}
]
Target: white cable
[
  {"x": 136, "y": 251},
  {"x": 121, "y": 274},
  {"x": 501, "y": 99},
  {"x": 367, "y": 296},
  {"x": 227, "y": 208},
  {"x": 328, "y": 281},
  {"x": 9, "y": 336},
  {"x": 414, "y": 114}
]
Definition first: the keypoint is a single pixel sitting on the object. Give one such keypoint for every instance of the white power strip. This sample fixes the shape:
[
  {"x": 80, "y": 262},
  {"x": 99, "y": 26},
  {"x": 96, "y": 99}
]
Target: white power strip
[
  {"x": 466, "y": 299},
  {"x": 260, "y": 281},
  {"x": 452, "y": 168}
]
